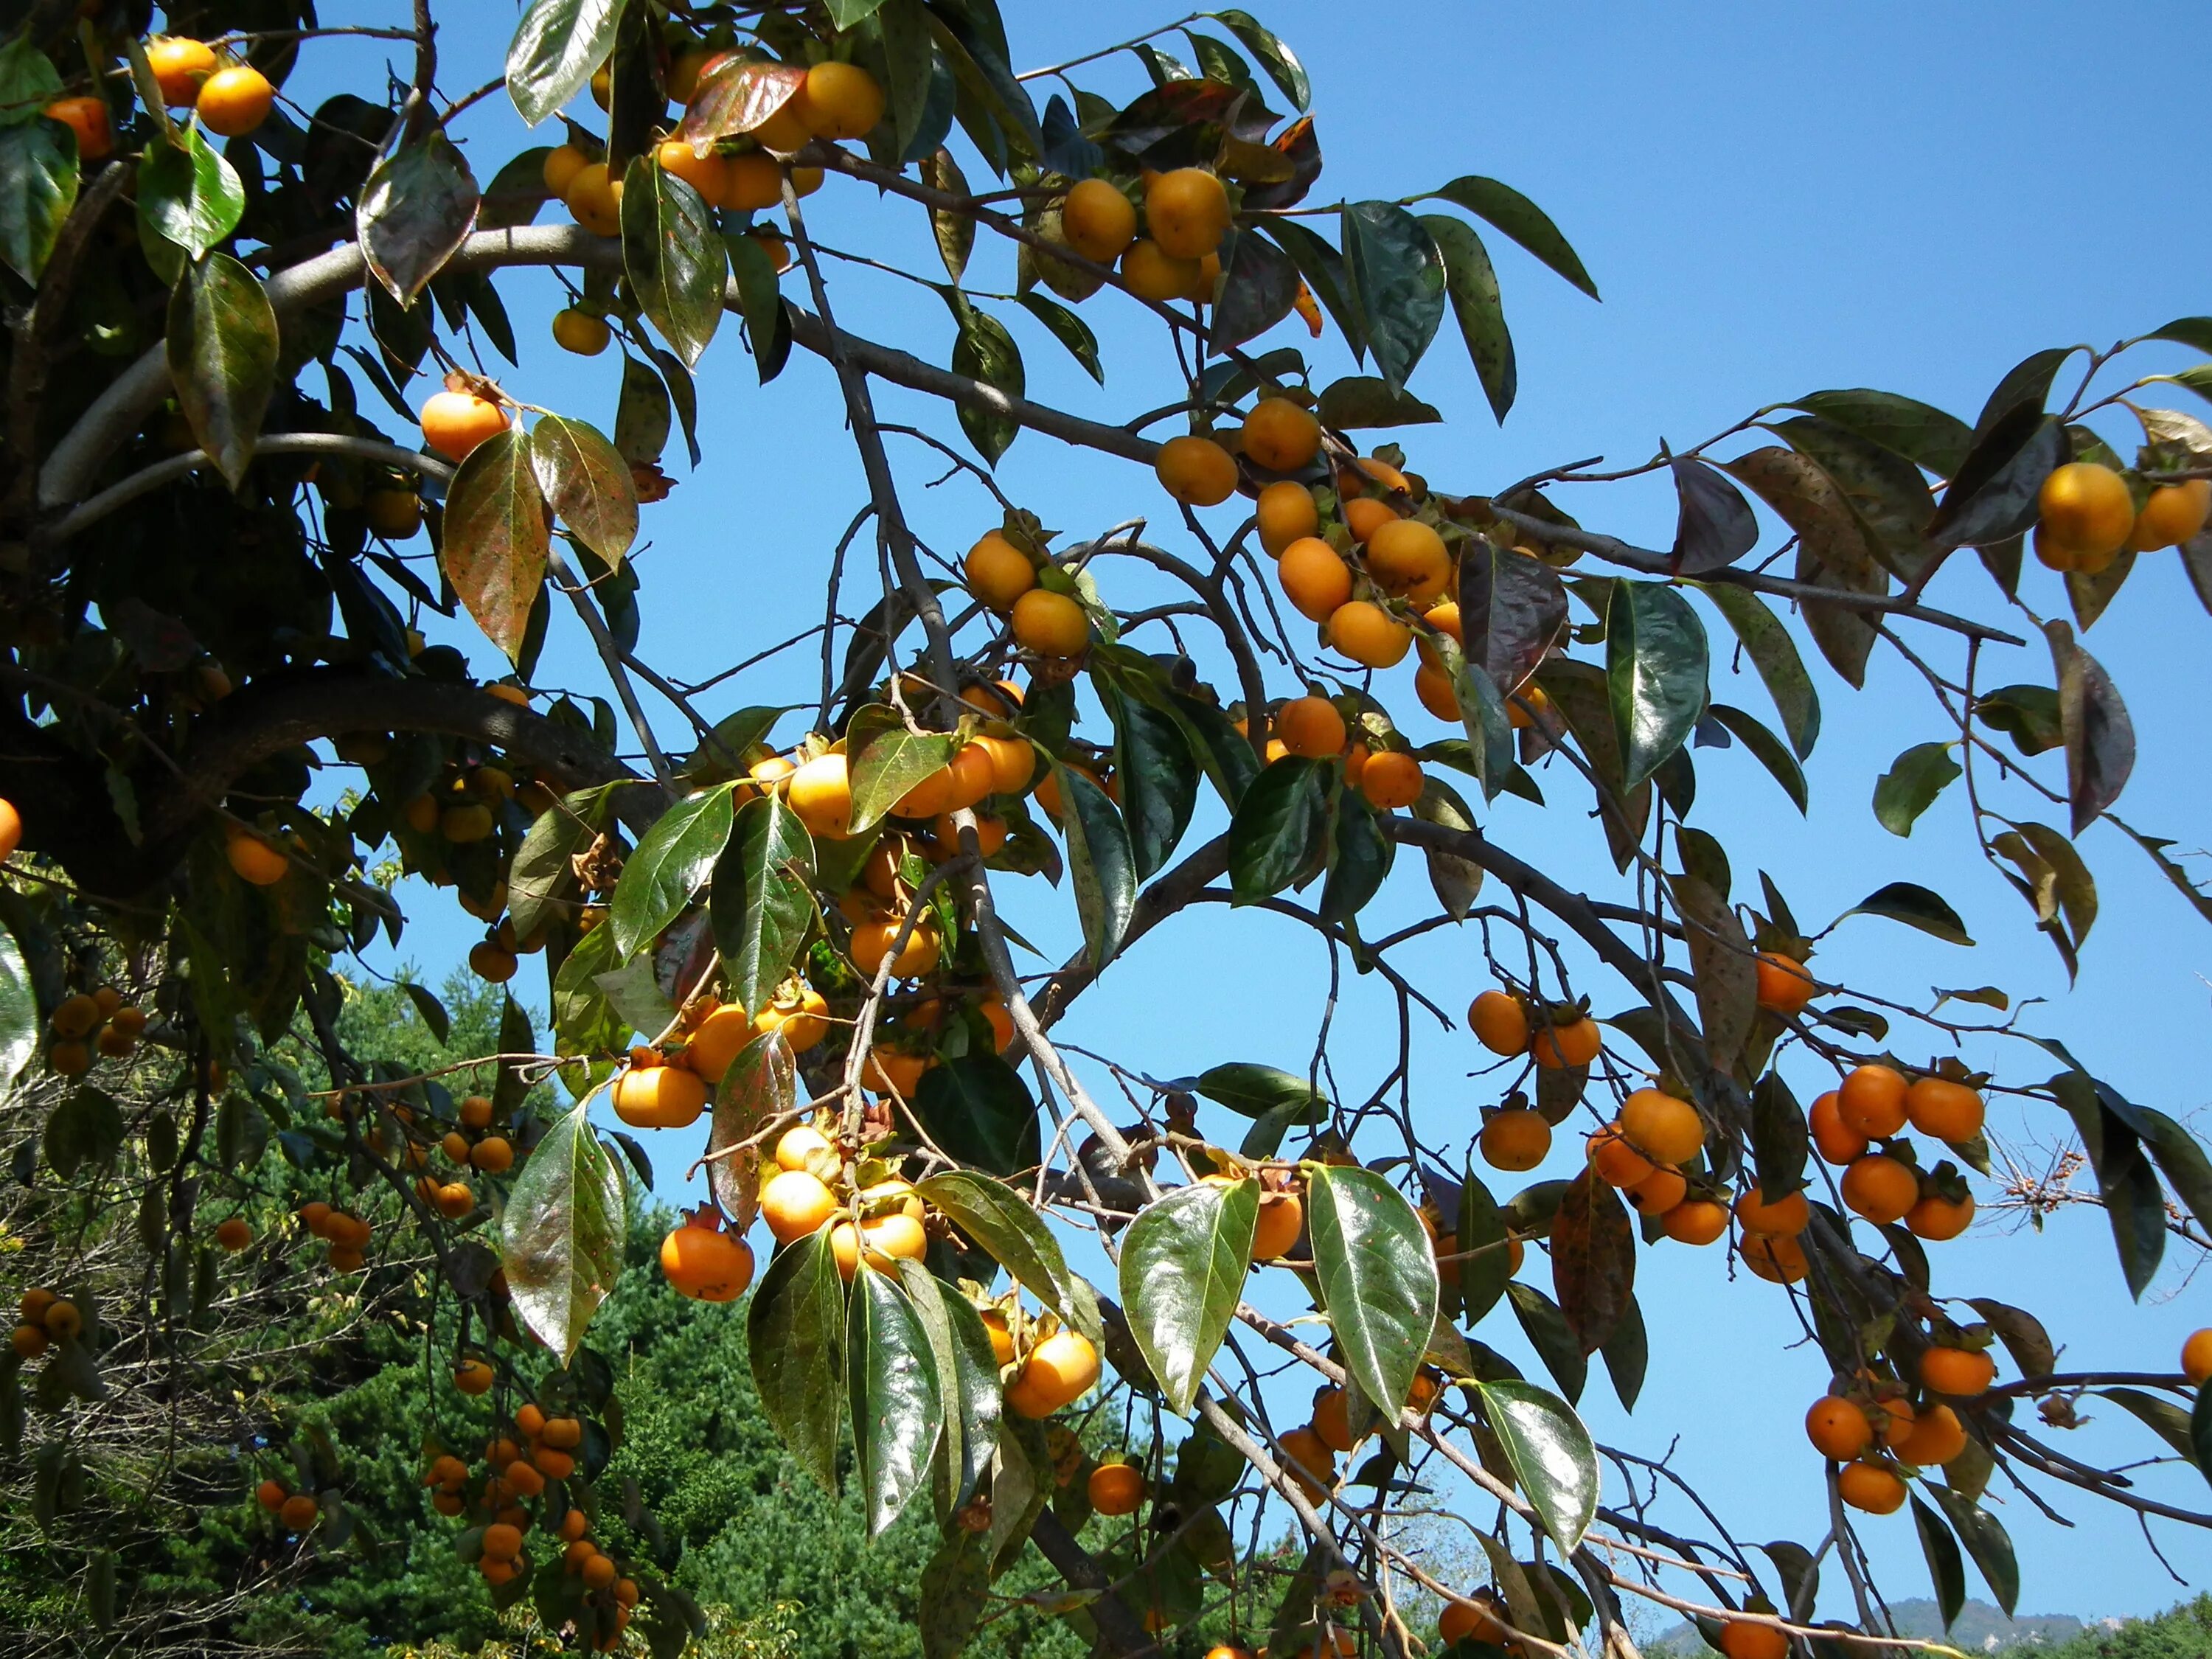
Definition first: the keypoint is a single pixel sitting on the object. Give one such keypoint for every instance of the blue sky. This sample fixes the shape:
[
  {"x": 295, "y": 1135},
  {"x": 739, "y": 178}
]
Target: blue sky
[{"x": 1772, "y": 200}]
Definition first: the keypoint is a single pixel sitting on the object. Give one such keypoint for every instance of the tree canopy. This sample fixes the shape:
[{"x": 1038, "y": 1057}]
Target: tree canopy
[{"x": 344, "y": 1316}]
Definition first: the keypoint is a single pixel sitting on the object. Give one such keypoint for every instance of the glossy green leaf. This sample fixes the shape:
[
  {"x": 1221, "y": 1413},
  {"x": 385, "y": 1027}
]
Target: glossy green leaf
[
  {"x": 1158, "y": 776},
  {"x": 1279, "y": 60},
  {"x": 19, "y": 1010},
  {"x": 954, "y": 232},
  {"x": 795, "y": 1339},
  {"x": 1779, "y": 1136},
  {"x": 1101, "y": 862},
  {"x": 1183, "y": 1263},
  {"x": 1358, "y": 402},
  {"x": 1546, "y": 1327},
  {"x": 2101, "y": 739},
  {"x": 1992, "y": 497},
  {"x": 1259, "y": 286},
  {"x": 670, "y": 863},
  {"x": 1774, "y": 654},
  {"x": 189, "y": 196},
  {"x": 1911, "y": 786},
  {"x": 415, "y": 210},
  {"x": 1768, "y": 750},
  {"x": 556, "y": 47},
  {"x": 1456, "y": 881},
  {"x": 1396, "y": 284},
  {"x": 38, "y": 188},
  {"x": 1884, "y": 491},
  {"x": 1924, "y": 434},
  {"x": 763, "y": 901},
  {"x": 561, "y": 1238},
  {"x": 891, "y": 1384},
  {"x": 1513, "y": 609},
  {"x": 737, "y": 94},
  {"x": 954, "y": 1589},
  {"x": 1945, "y": 1567},
  {"x": 1256, "y": 1090},
  {"x": 1376, "y": 1275},
  {"x": 2134, "y": 1201},
  {"x": 1987, "y": 1541},
  {"x": 1724, "y": 969},
  {"x": 1655, "y": 671},
  {"x": 540, "y": 875},
  {"x": 2169, "y": 1422},
  {"x": 887, "y": 760},
  {"x": 586, "y": 482},
  {"x": 1521, "y": 220},
  {"x": 1007, "y": 1227},
  {"x": 1714, "y": 525},
  {"x": 495, "y": 543},
  {"x": 978, "y": 1109},
  {"x": 983, "y": 350},
  {"x": 761, "y": 1086},
  {"x": 1277, "y": 829},
  {"x": 1323, "y": 269},
  {"x": 1485, "y": 1265},
  {"x": 968, "y": 1382},
  {"x": 1554, "y": 1459},
  {"x": 1915, "y": 907},
  {"x": 1471, "y": 283},
  {"x": 1627, "y": 1355},
  {"x": 222, "y": 348},
  {"x": 674, "y": 257},
  {"x": 1069, "y": 330},
  {"x": 28, "y": 80}
]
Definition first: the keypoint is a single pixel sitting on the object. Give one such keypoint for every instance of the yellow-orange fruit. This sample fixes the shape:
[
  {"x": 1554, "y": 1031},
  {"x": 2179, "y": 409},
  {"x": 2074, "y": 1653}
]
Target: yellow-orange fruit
[
  {"x": 1154, "y": 275},
  {"x": 1187, "y": 211},
  {"x": 2086, "y": 509},
  {"x": 1391, "y": 780},
  {"x": 1871, "y": 1101},
  {"x": 1838, "y": 1428},
  {"x": 1948, "y": 1111},
  {"x": 1785, "y": 987},
  {"x": 998, "y": 572},
  {"x": 455, "y": 423},
  {"x": 1059, "y": 1371},
  {"x": 1050, "y": 624},
  {"x": 1197, "y": 471},
  {"x": 1097, "y": 220},
  {"x": 1499, "y": 1021},
  {"x": 2174, "y": 513},
  {"x": 1407, "y": 557},
  {"x": 1662, "y": 1126},
  {"x": 1281, "y": 436},
  {"x": 1311, "y": 726},
  {"x": 794, "y": 1203},
  {"x": 1315, "y": 580},
  {"x": 1285, "y": 511},
  {"x": 1515, "y": 1140},
  {"x": 235, "y": 100},
  {"x": 1369, "y": 634}
]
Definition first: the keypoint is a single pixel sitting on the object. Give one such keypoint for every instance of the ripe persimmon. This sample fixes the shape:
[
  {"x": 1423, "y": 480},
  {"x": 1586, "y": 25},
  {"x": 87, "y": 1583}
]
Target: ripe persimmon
[
  {"x": 1617, "y": 1163},
  {"x": 1050, "y": 624},
  {"x": 87, "y": 118},
  {"x": 1058, "y": 1372},
  {"x": 1332, "y": 1419},
  {"x": 271, "y": 1494},
  {"x": 1515, "y": 1138},
  {"x": 1946, "y": 1110},
  {"x": 872, "y": 942},
  {"x": 180, "y": 65},
  {"x": 1286, "y": 511},
  {"x": 1097, "y": 220},
  {"x": 1363, "y": 516},
  {"x": 1696, "y": 1221},
  {"x": 562, "y": 165},
  {"x": 1871, "y": 1487},
  {"x": 1499, "y": 1021},
  {"x": 1408, "y": 558},
  {"x": 703, "y": 1263},
  {"x": 794, "y": 1203},
  {"x": 1938, "y": 1219},
  {"x": 11, "y": 829},
  {"x": 1116, "y": 1489},
  {"x": 1563, "y": 1044},
  {"x": 1657, "y": 1194},
  {"x": 1186, "y": 212},
  {"x": 1880, "y": 1187},
  {"x": 839, "y": 101},
  {"x": 998, "y": 572},
  {"x": 1871, "y": 1101},
  {"x": 2196, "y": 1357},
  {"x": 594, "y": 200},
  {"x": 1197, "y": 471},
  {"x": 494, "y": 1155},
  {"x": 233, "y": 102},
  {"x": 659, "y": 1097},
  {"x": 253, "y": 859},
  {"x": 1315, "y": 580},
  {"x": 1282, "y": 436},
  {"x": 1785, "y": 987},
  {"x": 233, "y": 1233},
  {"x": 1740, "y": 1638},
  {"x": 1309, "y": 725},
  {"x": 821, "y": 793},
  {"x": 1154, "y": 275},
  {"x": 1938, "y": 1436},
  {"x": 1481, "y": 1616},
  {"x": 2174, "y": 513},
  {"x": 1777, "y": 1260},
  {"x": 1961, "y": 1373},
  {"x": 1282, "y": 1219},
  {"x": 2085, "y": 509},
  {"x": 1432, "y": 687},
  {"x": 1308, "y": 1461},
  {"x": 1837, "y": 1141},
  {"x": 1369, "y": 634},
  {"x": 299, "y": 1512},
  {"x": 492, "y": 961},
  {"x": 1785, "y": 1217},
  {"x": 1663, "y": 1129},
  {"x": 1391, "y": 780},
  {"x": 473, "y": 1378},
  {"x": 799, "y": 1013},
  {"x": 456, "y": 422},
  {"x": 1838, "y": 1428}
]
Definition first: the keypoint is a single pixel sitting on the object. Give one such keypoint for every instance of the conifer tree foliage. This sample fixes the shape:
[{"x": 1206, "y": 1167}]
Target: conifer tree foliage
[{"x": 254, "y": 437}]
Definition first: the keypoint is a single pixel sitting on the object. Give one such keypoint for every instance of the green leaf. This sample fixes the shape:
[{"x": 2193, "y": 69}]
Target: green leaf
[
  {"x": 1279, "y": 60},
  {"x": 222, "y": 348},
  {"x": 586, "y": 482},
  {"x": 1363, "y": 401},
  {"x": 1944, "y": 1565},
  {"x": 1396, "y": 284},
  {"x": 1885, "y": 493},
  {"x": 2135, "y": 1203},
  {"x": 1158, "y": 775},
  {"x": 1714, "y": 525},
  {"x": 762, "y": 1084},
  {"x": 1471, "y": 283},
  {"x": 1486, "y": 1264},
  {"x": 2169, "y": 1422},
  {"x": 2028, "y": 715},
  {"x": 1722, "y": 965},
  {"x": 1779, "y": 1135},
  {"x": 1987, "y": 1541},
  {"x": 890, "y": 1381},
  {"x": 1376, "y": 1276},
  {"x": 190, "y": 197},
  {"x": 1011, "y": 1231},
  {"x": 1992, "y": 497},
  {"x": 671, "y": 862},
  {"x": 1546, "y": 1327},
  {"x": 1359, "y": 857},
  {"x": 415, "y": 210},
  {"x": 1069, "y": 330},
  {"x": 84, "y": 1131},
  {"x": 2100, "y": 739},
  {"x": 1277, "y": 827},
  {"x": 432, "y": 1011},
  {"x": 967, "y": 1381},
  {"x": 1521, "y": 220},
  {"x": 556, "y": 47},
  {"x": 887, "y": 760},
  {"x": 1183, "y": 1263},
  {"x": 1909, "y": 789},
  {"x": 1627, "y": 1354},
  {"x": 1554, "y": 1460},
  {"x": 1767, "y": 750},
  {"x": 38, "y": 188},
  {"x": 541, "y": 874},
  {"x": 1512, "y": 610},
  {"x": 978, "y": 1109},
  {"x": 1100, "y": 861},
  {"x": 846, "y": 12},
  {"x": 1774, "y": 654},
  {"x": 1256, "y": 1090},
  {"x": 983, "y": 350},
  {"x": 1323, "y": 269},
  {"x": 794, "y": 1337},
  {"x": 496, "y": 543},
  {"x": 1259, "y": 287},
  {"x": 28, "y": 80},
  {"x": 561, "y": 1238},
  {"x": 1924, "y": 434},
  {"x": 1592, "y": 1259},
  {"x": 1655, "y": 671},
  {"x": 1457, "y": 882},
  {"x": 19, "y": 1010},
  {"x": 954, "y": 232},
  {"x": 955, "y": 1588},
  {"x": 674, "y": 257},
  {"x": 763, "y": 901},
  {"x": 1915, "y": 907}
]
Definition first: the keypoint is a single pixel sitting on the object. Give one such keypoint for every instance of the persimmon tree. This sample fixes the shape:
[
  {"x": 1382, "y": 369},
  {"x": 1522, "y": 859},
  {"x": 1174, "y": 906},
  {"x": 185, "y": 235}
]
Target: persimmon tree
[{"x": 772, "y": 946}]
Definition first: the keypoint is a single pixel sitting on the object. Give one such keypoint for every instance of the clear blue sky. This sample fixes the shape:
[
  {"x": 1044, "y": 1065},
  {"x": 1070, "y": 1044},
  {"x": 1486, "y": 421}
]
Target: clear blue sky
[{"x": 1773, "y": 201}]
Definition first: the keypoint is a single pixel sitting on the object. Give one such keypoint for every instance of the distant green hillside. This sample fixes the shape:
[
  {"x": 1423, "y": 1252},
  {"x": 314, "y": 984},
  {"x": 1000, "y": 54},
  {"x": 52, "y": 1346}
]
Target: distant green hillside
[
  {"x": 2180, "y": 1632},
  {"x": 1980, "y": 1628}
]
